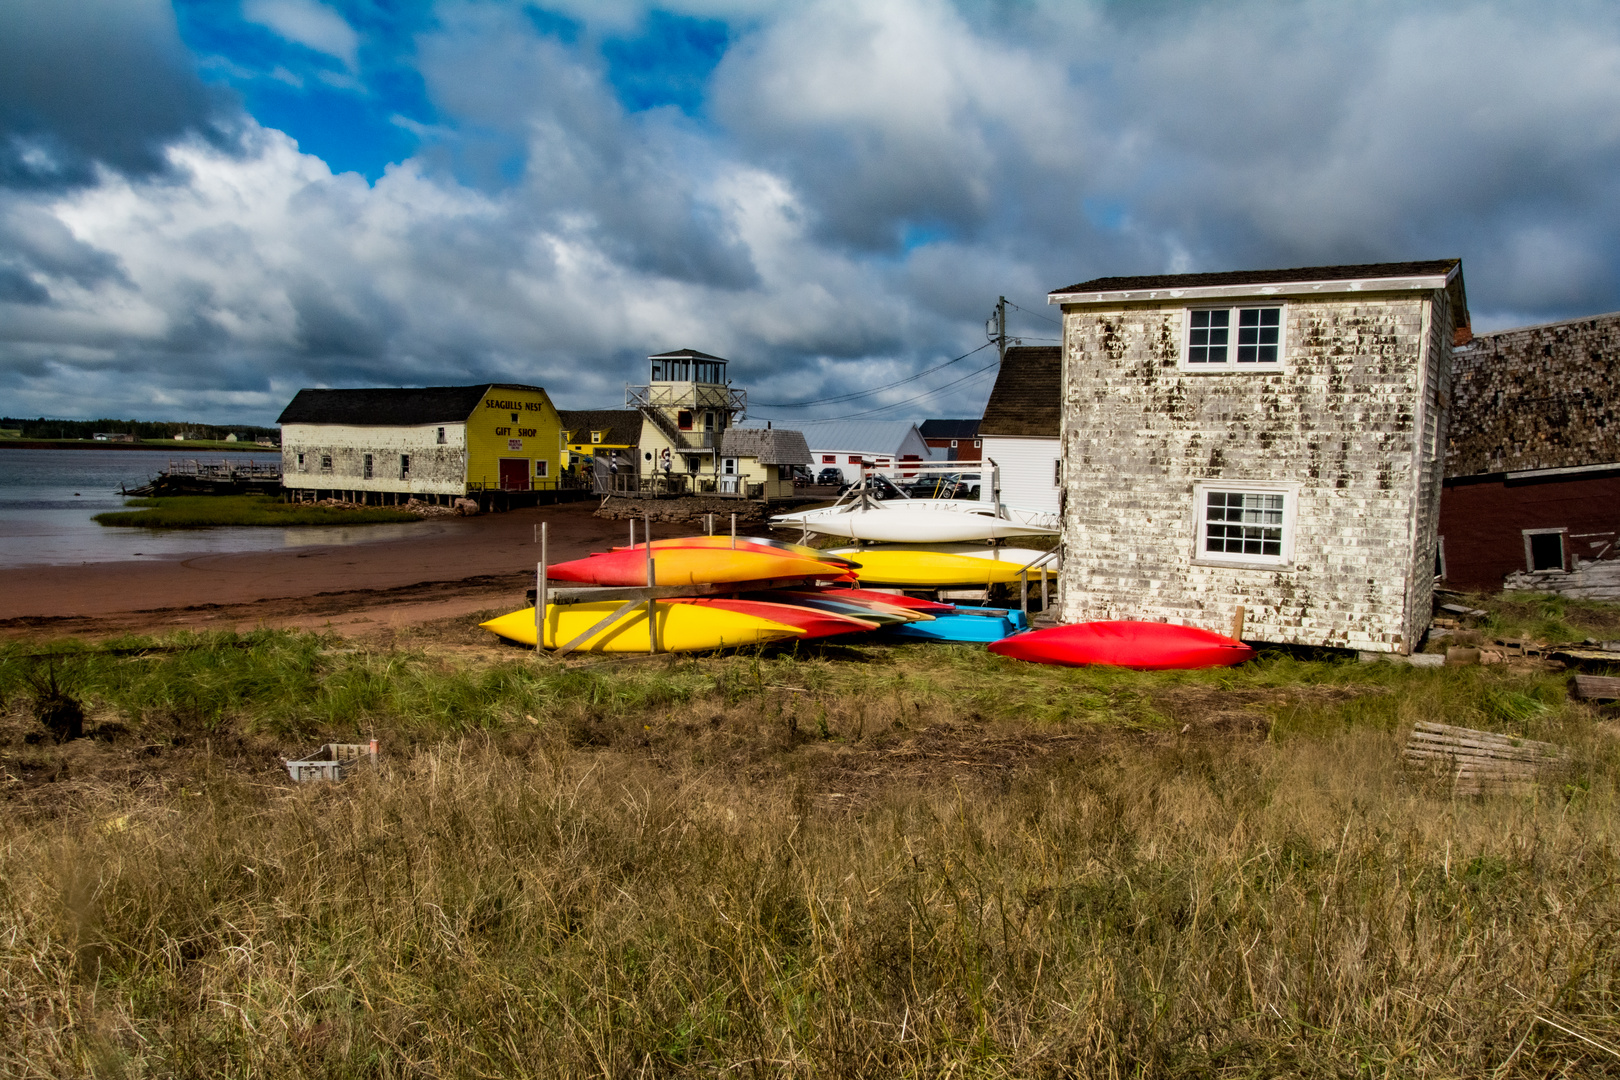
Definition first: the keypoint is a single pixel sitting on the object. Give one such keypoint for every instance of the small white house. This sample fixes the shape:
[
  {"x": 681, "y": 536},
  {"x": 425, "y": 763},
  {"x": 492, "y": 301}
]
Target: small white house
[
  {"x": 1021, "y": 425},
  {"x": 850, "y": 444}
]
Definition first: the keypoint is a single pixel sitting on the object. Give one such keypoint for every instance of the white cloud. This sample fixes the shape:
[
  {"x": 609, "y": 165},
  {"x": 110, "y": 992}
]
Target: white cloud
[
  {"x": 866, "y": 180},
  {"x": 308, "y": 23}
]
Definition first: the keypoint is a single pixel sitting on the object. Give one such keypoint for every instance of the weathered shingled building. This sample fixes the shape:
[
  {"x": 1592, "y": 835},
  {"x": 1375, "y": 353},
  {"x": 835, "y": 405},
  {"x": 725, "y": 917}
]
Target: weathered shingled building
[
  {"x": 1269, "y": 440},
  {"x": 1533, "y": 463}
]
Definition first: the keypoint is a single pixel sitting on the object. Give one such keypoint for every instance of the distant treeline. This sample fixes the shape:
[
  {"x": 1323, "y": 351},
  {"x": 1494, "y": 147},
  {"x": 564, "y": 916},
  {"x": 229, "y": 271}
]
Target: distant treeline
[{"x": 43, "y": 428}]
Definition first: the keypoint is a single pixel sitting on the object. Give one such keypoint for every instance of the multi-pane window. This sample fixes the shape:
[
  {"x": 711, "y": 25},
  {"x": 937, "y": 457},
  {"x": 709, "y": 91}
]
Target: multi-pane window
[
  {"x": 365, "y": 466},
  {"x": 1209, "y": 336},
  {"x": 326, "y": 462},
  {"x": 1259, "y": 333},
  {"x": 1210, "y": 342},
  {"x": 1243, "y": 525},
  {"x": 404, "y": 466}
]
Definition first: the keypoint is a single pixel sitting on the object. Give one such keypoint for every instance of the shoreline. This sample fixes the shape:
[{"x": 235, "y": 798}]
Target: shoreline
[
  {"x": 91, "y": 444},
  {"x": 473, "y": 564}
]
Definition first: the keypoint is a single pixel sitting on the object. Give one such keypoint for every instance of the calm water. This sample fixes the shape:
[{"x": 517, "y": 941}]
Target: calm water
[{"x": 47, "y": 498}]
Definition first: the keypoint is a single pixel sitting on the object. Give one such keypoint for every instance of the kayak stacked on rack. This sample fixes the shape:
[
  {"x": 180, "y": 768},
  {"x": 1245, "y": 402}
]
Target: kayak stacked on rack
[
  {"x": 947, "y": 566},
  {"x": 702, "y": 593}
]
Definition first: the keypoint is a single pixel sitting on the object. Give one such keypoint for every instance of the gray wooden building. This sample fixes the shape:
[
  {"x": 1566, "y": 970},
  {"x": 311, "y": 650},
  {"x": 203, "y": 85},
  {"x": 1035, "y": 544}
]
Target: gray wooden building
[{"x": 1266, "y": 440}]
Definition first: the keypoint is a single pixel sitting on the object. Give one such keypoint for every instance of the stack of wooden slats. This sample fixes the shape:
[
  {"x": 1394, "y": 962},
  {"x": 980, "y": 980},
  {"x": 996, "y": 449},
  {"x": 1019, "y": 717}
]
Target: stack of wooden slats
[{"x": 1478, "y": 761}]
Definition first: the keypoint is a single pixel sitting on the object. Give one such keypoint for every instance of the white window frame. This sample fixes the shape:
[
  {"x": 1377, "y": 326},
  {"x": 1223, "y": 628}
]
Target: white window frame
[
  {"x": 1231, "y": 366},
  {"x": 542, "y": 467},
  {"x": 1290, "y": 508}
]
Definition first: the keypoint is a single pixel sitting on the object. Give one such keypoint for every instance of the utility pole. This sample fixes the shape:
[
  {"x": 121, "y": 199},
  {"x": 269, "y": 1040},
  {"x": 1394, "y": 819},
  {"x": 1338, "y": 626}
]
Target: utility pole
[{"x": 999, "y": 335}]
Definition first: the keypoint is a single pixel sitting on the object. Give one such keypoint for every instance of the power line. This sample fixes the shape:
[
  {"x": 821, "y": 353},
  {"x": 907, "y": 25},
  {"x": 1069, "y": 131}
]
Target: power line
[
  {"x": 892, "y": 404},
  {"x": 873, "y": 390},
  {"x": 1037, "y": 314}
]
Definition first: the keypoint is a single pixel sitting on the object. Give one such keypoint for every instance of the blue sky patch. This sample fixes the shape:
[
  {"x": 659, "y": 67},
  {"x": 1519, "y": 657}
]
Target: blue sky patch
[
  {"x": 668, "y": 63},
  {"x": 347, "y": 118}
]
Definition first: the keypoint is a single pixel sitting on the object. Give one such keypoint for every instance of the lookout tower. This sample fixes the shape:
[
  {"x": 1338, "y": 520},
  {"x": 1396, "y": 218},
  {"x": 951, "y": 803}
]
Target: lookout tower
[{"x": 689, "y": 402}]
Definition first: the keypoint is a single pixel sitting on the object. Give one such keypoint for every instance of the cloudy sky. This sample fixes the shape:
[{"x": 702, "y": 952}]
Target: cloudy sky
[{"x": 206, "y": 205}]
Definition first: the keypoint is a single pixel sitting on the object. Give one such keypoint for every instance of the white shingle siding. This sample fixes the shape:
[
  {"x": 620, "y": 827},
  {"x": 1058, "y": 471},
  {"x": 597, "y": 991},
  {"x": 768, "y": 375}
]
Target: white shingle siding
[
  {"x": 1352, "y": 416},
  {"x": 436, "y": 468}
]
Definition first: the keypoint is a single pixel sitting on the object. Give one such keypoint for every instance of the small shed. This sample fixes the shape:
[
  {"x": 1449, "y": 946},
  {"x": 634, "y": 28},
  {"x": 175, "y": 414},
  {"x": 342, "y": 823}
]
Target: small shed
[
  {"x": 1269, "y": 440},
  {"x": 758, "y": 462},
  {"x": 1020, "y": 428}
]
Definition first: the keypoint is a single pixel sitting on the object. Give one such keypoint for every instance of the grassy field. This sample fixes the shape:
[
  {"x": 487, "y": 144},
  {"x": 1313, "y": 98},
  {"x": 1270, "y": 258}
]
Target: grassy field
[
  {"x": 205, "y": 511},
  {"x": 867, "y": 861}
]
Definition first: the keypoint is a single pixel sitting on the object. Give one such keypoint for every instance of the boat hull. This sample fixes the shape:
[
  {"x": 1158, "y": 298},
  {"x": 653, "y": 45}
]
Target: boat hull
[
  {"x": 909, "y": 525},
  {"x": 690, "y": 566},
  {"x": 1140, "y": 645},
  {"x": 811, "y": 622},
  {"x": 681, "y": 628},
  {"x": 912, "y": 568},
  {"x": 966, "y": 625}
]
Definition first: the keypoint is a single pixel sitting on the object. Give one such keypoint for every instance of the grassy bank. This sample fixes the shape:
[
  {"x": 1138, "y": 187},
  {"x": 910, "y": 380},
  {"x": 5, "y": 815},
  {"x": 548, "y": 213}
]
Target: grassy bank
[
  {"x": 204, "y": 511},
  {"x": 866, "y": 862}
]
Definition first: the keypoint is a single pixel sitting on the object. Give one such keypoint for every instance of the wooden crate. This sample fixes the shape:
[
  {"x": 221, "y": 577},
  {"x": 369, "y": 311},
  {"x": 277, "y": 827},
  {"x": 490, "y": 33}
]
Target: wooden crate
[
  {"x": 1477, "y": 761},
  {"x": 333, "y": 761}
]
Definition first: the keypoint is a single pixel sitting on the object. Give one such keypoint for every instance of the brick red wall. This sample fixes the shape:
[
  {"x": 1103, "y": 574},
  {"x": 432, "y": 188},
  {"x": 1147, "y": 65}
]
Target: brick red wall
[
  {"x": 965, "y": 450},
  {"x": 1481, "y": 523}
]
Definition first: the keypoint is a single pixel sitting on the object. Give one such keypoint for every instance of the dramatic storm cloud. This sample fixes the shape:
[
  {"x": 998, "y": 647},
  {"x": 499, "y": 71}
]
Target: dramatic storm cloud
[{"x": 205, "y": 207}]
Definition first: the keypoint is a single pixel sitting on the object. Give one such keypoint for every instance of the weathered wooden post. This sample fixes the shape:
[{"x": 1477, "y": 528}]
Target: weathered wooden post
[{"x": 733, "y": 531}]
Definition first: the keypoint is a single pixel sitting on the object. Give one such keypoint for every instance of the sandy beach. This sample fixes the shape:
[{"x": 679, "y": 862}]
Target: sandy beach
[{"x": 457, "y": 566}]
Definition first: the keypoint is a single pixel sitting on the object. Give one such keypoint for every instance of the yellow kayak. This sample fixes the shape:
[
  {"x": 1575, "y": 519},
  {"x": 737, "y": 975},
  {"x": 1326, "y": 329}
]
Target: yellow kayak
[
  {"x": 681, "y": 627},
  {"x": 931, "y": 569}
]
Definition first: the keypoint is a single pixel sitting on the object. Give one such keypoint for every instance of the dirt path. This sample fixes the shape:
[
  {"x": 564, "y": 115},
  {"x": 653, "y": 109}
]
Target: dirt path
[{"x": 465, "y": 566}]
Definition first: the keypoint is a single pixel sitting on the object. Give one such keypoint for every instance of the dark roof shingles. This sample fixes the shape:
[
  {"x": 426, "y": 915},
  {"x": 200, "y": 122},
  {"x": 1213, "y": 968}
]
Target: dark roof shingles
[
  {"x": 1264, "y": 277},
  {"x": 1026, "y": 400},
  {"x": 949, "y": 429},
  {"x": 389, "y": 406},
  {"x": 623, "y": 426}
]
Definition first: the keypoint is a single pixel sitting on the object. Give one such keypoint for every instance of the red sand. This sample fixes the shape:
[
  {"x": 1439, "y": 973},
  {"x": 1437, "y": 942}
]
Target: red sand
[{"x": 473, "y": 564}]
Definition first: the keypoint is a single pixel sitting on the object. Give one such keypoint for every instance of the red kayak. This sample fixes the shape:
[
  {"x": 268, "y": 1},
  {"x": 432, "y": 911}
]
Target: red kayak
[
  {"x": 815, "y": 624},
  {"x": 927, "y": 607},
  {"x": 1145, "y": 646}
]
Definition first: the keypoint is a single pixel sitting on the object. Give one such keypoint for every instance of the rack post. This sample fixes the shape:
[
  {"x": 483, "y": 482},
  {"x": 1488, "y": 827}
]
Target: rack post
[
  {"x": 734, "y": 532},
  {"x": 652, "y": 605},
  {"x": 632, "y": 533},
  {"x": 540, "y": 596},
  {"x": 1023, "y": 590}
]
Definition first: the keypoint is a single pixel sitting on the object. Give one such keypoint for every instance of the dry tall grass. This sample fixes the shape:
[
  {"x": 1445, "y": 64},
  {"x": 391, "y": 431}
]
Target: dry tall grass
[{"x": 499, "y": 906}]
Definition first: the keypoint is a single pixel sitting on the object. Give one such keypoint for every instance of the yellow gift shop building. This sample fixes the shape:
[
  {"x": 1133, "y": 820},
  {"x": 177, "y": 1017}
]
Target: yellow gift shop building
[{"x": 498, "y": 443}]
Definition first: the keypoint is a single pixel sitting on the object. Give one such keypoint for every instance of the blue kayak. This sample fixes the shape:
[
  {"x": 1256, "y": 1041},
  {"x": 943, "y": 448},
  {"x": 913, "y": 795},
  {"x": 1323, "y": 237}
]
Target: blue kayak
[{"x": 967, "y": 624}]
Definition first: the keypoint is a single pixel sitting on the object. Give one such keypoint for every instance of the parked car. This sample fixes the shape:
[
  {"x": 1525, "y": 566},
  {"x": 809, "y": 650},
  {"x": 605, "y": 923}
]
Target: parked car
[{"x": 831, "y": 475}]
